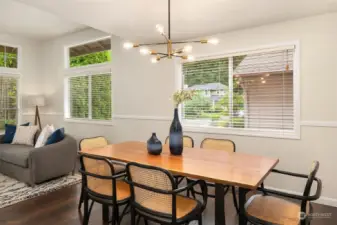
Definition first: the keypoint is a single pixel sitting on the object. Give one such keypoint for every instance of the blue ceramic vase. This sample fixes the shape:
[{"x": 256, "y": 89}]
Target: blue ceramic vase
[
  {"x": 176, "y": 135},
  {"x": 154, "y": 146}
]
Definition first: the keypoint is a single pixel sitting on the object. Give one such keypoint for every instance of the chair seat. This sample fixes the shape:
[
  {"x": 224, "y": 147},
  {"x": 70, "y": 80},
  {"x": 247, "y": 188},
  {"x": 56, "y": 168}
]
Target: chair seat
[
  {"x": 273, "y": 210},
  {"x": 185, "y": 206},
  {"x": 105, "y": 188}
]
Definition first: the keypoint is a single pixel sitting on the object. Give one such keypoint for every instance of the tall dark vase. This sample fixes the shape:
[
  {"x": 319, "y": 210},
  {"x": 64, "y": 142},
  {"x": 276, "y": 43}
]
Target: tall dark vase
[{"x": 176, "y": 135}]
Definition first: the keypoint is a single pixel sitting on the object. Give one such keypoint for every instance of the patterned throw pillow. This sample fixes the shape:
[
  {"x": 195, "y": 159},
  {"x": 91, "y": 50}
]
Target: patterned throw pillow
[
  {"x": 25, "y": 135},
  {"x": 44, "y": 135}
]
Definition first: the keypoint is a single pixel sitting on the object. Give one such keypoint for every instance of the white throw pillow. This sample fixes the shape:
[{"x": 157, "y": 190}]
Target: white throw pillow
[
  {"x": 44, "y": 135},
  {"x": 25, "y": 135}
]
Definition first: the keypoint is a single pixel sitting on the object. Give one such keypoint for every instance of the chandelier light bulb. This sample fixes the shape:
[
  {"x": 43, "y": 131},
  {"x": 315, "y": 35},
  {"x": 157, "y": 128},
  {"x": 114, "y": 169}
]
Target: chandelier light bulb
[
  {"x": 190, "y": 58},
  {"x": 213, "y": 41},
  {"x": 160, "y": 28},
  {"x": 155, "y": 59},
  {"x": 187, "y": 48},
  {"x": 128, "y": 45},
  {"x": 144, "y": 51}
]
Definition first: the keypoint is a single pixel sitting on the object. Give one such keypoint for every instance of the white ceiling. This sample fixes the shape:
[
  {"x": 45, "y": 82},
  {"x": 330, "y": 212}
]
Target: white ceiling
[
  {"x": 136, "y": 19},
  {"x": 27, "y": 21}
]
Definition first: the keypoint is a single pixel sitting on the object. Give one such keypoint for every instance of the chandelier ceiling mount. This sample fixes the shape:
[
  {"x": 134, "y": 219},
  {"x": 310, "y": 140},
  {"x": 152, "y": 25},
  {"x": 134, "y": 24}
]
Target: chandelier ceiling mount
[{"x": 171, "y": 52}]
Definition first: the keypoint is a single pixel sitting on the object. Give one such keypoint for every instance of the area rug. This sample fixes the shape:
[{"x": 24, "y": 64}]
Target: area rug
[{"x": 13, "y": 191}]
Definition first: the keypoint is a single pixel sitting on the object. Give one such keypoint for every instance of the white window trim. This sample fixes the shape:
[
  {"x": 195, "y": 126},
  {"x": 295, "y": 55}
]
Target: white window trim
[
  {"x": 67, "y": 116},
  {"x": 15, "y": 73},
  {"x": 295, "y": 134},
  {"x": 66, "y": 54},
  {"x": 87, "y": 70}
]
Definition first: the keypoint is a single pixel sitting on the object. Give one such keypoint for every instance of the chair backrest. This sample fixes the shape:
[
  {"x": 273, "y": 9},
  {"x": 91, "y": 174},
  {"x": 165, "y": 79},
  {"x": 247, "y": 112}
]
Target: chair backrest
[
  {"x": 311, "y": 177},
  {"x": 218, "y": 144},
  {"x": 94, "y": 142},
  {"x": 147, "y": 186},
  {"x": 188, "y": 142},
  {"x": 97, "y": 175}
]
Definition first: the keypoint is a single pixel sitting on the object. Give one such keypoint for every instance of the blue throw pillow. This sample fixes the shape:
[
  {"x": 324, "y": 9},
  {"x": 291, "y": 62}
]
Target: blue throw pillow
[
  {"x": 55, "y": 137},
  {"x": 10, "y": 132}
]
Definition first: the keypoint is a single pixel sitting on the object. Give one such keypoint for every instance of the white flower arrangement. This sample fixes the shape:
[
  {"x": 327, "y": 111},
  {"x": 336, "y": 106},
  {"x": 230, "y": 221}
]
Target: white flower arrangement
[{"x": 181, "y": 96}]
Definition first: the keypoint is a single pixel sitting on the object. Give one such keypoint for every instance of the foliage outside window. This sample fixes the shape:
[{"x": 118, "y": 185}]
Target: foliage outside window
[
  {"x": 89, "y": 95},
  {"x": 8, "y": 101},
  {"x": 90, "y": 53},
  {"x": 8, "y": 57},
  {"x": 251, "y": 91}
]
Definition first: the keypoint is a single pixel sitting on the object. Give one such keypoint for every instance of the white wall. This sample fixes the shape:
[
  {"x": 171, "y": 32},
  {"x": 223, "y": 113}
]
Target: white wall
[
  {"x": 30, "y": 81},
  {"x": 142, "y": 90}
]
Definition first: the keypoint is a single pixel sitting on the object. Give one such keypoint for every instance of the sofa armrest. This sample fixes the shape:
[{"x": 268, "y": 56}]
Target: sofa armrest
[{"x": 53, "y": 160}]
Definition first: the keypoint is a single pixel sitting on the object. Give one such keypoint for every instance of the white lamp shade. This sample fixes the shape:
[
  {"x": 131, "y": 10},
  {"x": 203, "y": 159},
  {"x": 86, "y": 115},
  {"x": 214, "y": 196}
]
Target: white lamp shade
[{"x": 36, "y": 100}]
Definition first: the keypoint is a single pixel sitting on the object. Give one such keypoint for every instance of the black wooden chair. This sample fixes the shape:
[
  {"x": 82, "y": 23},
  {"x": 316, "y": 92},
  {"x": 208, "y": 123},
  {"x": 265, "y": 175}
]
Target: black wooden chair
[
  {"x": 155, "y": 196},
  {"x": 188, "y": 142},
  {"x": 102, "y": 185},
  {"x": 276, "y": 207},
  {"x": 97, "y": 142},
  {"x": 221, "y": 145}
]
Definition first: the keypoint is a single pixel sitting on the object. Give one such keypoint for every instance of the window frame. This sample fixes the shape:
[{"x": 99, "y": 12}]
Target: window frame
[
  {"x": 76, "y": 68},
  {"x": 16, "y": 76},
  {"x": 87, "y": 70},
  {"x": 12, "y": 71},
  {"x": 293, "y": 134}
]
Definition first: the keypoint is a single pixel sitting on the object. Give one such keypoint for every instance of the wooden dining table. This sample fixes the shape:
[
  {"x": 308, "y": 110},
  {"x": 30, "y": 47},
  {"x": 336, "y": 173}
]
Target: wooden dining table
[{"x": 245, "y": 171}]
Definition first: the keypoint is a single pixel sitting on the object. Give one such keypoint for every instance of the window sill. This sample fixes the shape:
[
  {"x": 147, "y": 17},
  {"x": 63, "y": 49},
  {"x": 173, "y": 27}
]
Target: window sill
[
  {"x": 92, "y": 122},
  {"x": 242, "y": 132}
]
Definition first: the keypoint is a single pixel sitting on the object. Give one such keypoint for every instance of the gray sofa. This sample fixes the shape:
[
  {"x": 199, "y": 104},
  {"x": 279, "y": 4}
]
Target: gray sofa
[{"x": 35, "y": 165}]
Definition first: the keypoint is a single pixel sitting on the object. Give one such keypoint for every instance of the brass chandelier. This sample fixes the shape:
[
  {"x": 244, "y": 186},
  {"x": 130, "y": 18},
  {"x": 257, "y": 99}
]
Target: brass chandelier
[{"x": 171, "y": 52}]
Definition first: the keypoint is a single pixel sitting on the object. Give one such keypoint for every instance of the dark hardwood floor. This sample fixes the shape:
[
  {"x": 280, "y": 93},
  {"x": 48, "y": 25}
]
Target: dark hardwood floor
[{"x": 60, "y": 208}]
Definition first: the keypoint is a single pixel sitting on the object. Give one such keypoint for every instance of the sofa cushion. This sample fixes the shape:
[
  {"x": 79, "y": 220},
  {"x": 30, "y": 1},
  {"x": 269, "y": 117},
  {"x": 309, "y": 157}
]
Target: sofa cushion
[{"x": 15, "y": 154}]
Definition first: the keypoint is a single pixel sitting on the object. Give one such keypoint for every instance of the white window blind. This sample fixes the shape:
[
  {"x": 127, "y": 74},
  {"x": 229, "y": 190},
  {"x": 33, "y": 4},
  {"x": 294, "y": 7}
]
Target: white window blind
[
  {"x": 249, "y": 91},
  {"x": 8, "y": 101},
  {"x": 90, "y": 97}
]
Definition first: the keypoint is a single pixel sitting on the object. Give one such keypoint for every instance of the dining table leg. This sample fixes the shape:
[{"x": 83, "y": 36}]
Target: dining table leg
[
  {"x": 242, "y": 200},
  {"x": 219, "y": 205},
  {"x": 105, "y": 213}
]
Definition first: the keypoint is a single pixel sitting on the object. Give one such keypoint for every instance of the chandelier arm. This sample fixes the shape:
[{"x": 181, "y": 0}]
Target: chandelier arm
[
  {"x": 164, "y": 54},
  {"x": 184, "y": 42},
  {"x": 153, "y": 44},
  {"x": 166, "y": 38}
]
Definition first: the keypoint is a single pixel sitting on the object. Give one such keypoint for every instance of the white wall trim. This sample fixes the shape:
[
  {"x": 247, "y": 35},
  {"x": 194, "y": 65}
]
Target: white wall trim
[
  {"x": 90, "y": 121},
  {"x": 312, "y": 123},
  {"x": 322, "y": 200},
  {"x": 137, "y": 117},
  {"x": 43, "y": 114},
  {"x": 306, "y": 123}
]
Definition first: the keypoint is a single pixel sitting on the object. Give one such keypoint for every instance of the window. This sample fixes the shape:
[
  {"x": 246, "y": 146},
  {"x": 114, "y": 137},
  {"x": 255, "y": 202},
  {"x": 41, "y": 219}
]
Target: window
[
  {"x": 95, "y": 52},
  {"x": 90, "y": 97},
  {"x": 8, "y": 56},
  {"x": 88, "y": 89},
  {"x": 249, "y": 92},
  {"x": 8, "y": 101}
]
